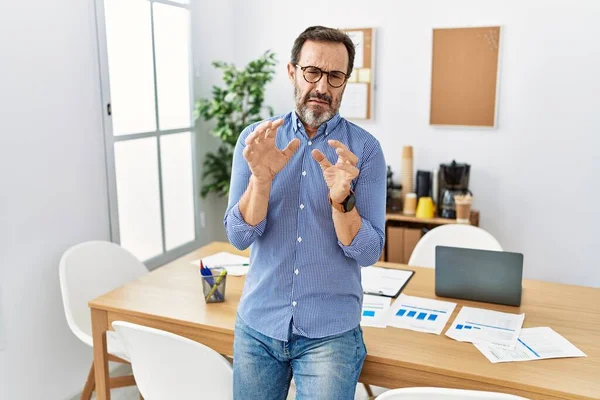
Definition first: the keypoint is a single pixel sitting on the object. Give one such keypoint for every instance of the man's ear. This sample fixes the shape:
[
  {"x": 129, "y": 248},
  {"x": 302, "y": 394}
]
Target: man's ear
[{"x": 291, "y": 72}]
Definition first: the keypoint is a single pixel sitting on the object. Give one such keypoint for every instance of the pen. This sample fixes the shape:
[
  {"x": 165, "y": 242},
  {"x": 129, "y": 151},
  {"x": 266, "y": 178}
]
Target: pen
[
  {"x": 232, "y": 265},
  {"x": 214, "y": 289}
]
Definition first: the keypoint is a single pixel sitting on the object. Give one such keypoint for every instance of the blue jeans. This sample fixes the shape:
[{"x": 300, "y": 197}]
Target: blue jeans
[{"x": 326, "y": 368}]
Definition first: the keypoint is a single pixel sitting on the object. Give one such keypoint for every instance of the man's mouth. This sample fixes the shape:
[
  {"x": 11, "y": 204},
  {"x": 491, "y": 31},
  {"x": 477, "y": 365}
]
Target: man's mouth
[{"x": 318, "y": 101}]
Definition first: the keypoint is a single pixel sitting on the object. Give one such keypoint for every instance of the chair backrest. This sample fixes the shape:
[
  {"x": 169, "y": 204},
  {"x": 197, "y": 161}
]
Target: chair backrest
[
  {"x": 432, "y": 393},
  {"x": 168, "y": 366},
  {"x": 88, "y": 270},
  {"x": 453, "y": 235}
]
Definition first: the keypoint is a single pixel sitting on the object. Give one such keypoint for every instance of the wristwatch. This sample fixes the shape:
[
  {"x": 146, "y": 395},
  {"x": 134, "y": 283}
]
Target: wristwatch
[{"x": 345, "y": 206}]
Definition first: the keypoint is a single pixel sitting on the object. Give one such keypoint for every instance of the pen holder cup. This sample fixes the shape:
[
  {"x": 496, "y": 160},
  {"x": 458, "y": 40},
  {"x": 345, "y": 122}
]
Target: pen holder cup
[{"x": 214, "y": 286}]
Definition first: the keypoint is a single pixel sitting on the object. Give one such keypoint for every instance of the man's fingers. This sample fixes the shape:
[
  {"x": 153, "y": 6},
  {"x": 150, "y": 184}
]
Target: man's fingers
[
  {"x": 271, "y": 131},
  {"x": 336, "y": 144},
  {"x": 321, "y": 159},
  {"x": 248, "y": 154},
  {"x": 259, "y": 131},
  {"x": 347, "y": 155},
  {"x": 291, "y": 148}
]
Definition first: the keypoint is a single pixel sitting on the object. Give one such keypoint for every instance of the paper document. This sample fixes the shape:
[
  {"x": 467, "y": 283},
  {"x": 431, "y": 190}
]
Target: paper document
[
  {"x": 355, "y": 102},
  {"x": 477, "y": 325},
  {"x": 533, "y": 344},
  {"x": 358, "y": 38},
  {"x": 373, "y": 310},
  {"x": 384, "y": 281},
  {"x": 234, "y": 264},
  {"x": 419, "y": 314}
]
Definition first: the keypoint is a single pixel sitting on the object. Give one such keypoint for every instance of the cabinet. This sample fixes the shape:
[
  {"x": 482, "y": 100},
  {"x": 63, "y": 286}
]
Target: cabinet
[{"x": 403, "y": 232}]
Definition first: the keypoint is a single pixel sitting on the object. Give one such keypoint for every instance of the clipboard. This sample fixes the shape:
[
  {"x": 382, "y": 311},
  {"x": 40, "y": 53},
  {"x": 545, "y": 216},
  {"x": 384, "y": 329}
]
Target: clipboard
[{"x": 385, "y": 282}]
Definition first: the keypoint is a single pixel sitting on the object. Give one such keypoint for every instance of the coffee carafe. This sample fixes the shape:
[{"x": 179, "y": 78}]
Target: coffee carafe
[{"x": 453, "y": 179}]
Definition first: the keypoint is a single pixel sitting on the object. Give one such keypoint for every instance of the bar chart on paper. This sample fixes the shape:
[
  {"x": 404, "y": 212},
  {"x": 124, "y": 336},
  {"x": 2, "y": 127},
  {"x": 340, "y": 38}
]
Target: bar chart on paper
[
  {"x": 419, "y": 314},
  {"x": 374, "y": 310}
]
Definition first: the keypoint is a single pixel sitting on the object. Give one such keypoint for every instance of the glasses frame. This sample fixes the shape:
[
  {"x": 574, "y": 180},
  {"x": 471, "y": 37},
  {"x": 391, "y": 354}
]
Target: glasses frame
[{"x": 303, "y": 69}]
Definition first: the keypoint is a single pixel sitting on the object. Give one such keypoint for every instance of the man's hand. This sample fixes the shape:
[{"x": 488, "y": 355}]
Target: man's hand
[
  {"x": 264, "y": 158},
  {"x": 338, "y": 176}
]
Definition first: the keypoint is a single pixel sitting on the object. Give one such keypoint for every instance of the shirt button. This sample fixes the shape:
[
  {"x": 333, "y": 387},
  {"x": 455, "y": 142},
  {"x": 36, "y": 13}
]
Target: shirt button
[
  {"x": 309, "y": 143},
  {"x": 326, "y": 132},
  {"x": 296, "y": 272},
  {"x": 302, "y": 206},
  {"x": 299, "y": 239},
  {"x": 303, "y": 173},
  {"x": 294, "y": 303}
]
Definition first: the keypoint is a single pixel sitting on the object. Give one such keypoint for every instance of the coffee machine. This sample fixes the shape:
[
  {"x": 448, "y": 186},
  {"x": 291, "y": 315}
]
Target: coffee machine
[{"x": 453, "y": 179}]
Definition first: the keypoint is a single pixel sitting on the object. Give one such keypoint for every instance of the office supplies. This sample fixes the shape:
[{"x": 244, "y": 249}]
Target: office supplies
[
  {"x": 384, "y": 281},
  {"x": 235, "y": 265},
  {"x": 495, "y": 328},
  {"x": 533, "y": 344},
  {"x": 218, "y": 296},
  {"x": 206, "y": 273},
  {"x": 419, "y": 314},
  {"x": 374, "y": 309},
  {"x": 479, "y": 275}
]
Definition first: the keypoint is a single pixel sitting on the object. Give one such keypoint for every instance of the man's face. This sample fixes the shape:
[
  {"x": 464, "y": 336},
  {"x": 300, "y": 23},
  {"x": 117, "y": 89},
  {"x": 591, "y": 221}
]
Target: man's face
[{"x": 318, "y": 102}]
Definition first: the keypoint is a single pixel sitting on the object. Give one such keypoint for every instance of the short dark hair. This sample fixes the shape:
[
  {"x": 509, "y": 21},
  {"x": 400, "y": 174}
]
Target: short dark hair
[{"x": 323, "y": 34}]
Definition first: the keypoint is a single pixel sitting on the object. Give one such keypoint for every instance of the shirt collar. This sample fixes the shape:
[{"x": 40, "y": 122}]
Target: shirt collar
[{"x": 327, "y": 127}]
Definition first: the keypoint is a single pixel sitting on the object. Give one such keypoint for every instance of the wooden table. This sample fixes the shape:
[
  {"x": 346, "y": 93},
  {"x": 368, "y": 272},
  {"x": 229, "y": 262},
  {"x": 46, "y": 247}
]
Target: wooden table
[{"x": 170, "y": 298}]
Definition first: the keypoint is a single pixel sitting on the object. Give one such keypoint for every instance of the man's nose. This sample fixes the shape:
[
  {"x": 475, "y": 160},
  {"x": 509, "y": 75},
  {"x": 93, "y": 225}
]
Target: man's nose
[{"x": 322, "y": 86}]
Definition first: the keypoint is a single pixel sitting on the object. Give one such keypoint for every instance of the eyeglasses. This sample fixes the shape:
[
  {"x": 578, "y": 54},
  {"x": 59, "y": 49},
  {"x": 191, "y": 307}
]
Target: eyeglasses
[{"x": 314, "y": 75}]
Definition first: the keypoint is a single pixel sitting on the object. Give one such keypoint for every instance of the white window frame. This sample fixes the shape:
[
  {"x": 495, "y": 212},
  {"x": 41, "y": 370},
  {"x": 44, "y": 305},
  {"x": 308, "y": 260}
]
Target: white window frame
[{"x": 110, "y": 140}]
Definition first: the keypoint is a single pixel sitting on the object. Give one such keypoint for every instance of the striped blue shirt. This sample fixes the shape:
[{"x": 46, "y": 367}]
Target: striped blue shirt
[{"x": 299, "y": 270}]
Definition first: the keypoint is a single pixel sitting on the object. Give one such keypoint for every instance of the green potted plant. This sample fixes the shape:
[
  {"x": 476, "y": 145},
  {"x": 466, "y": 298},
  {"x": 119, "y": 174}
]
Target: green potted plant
[{"x": 235, "y": 106}]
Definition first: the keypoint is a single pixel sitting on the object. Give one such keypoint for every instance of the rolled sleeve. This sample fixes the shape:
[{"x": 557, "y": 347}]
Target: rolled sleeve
[
  {"x": 367, "y": 245},
  {"x": 370, "y": 191},
  {"x": 239, "y": 232}
]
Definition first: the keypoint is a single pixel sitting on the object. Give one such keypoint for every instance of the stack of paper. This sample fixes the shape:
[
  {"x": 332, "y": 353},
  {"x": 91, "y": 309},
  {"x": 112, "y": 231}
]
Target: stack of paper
[
  {"x": 234, "y": 264},
  {"x": 533, "y": 344},
  {"x": 418, "y": 314},
  {"x": 384, "y": 281},
  {"x": 494, "y": 328},
  {"x": 374, "y": 309}
]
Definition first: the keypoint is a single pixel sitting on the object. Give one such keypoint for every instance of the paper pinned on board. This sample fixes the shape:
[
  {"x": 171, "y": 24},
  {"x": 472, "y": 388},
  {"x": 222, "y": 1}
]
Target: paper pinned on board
[
  {"x": 355, "y": 101},
  {"x": 477, "y": 325},
  {"x": 358, "y": 38},
  {"x": 533, "y": 344},
  {"x": 419, "y": 314}
]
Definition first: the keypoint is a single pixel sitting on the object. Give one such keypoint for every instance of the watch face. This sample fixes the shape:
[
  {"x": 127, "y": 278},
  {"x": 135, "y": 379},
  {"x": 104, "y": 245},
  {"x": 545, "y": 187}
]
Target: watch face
[{"x": 350, "y": 202}]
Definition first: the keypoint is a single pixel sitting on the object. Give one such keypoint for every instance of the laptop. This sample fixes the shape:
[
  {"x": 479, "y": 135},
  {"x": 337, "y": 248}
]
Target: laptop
[{"x": 479, "y": 275}]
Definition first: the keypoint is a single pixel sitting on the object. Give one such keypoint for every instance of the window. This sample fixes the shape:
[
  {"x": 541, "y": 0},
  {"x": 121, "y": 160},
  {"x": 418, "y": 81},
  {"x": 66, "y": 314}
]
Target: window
[{"x": 145, "y": 57}]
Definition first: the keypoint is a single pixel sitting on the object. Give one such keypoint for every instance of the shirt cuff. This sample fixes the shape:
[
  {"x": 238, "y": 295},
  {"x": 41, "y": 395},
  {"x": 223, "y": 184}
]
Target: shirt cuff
[
  {"x": 360, "y": 242},
  {"x": 238, "y": 224}
]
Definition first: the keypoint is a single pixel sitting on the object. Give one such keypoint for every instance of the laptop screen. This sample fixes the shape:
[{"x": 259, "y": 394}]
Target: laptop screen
[{"x": 479, "y": 275}]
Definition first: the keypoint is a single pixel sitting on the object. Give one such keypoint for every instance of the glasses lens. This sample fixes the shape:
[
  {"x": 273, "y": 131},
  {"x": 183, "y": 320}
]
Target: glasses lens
[
  {"x": 312, "y": 74},
  {"x": 336, "y": 78}
]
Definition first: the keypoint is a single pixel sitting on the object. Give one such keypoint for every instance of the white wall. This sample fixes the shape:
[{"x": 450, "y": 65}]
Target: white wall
[
  {"x": 535, "y": 177},
  {"x": 53, "y": 187}
]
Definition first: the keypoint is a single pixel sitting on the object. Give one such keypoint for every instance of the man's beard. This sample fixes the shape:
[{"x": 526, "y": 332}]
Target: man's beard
[{"x": 314, "y": 117}]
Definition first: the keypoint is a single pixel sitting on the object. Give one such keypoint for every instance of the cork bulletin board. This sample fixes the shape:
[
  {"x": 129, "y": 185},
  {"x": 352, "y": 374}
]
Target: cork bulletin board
[
  {"x": 464, "y": 76},
  {"x": 357, "y": 103}
]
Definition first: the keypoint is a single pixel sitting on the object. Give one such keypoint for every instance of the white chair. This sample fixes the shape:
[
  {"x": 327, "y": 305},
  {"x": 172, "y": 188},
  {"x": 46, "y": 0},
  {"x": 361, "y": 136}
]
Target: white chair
[
  {"x": 168, "y": 366},
  {"x": 453, "y": 235},
  {"x": 432, "y": 393},
  {"x": 86, "y": 271}
]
